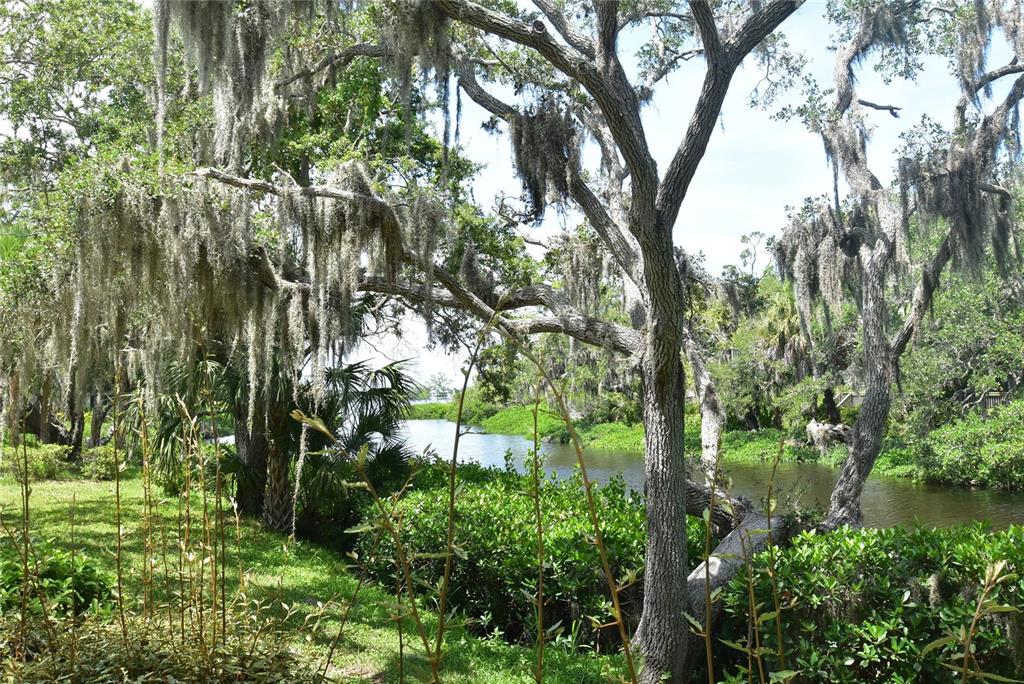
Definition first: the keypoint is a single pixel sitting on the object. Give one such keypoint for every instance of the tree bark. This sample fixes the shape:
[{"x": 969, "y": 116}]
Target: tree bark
[
  {"x": 96, "y": 420},
  {"x": 664, "y": 639},
  {"x": 831, "y": 408},
  {"x": 869, "y": 428},
  {"x": 712, "y": 414},
  {"x": 76, "y": 433},
  {"x": 251, "y": 447},
  {"x": 277, "y": 501},
  {"x": 44, "y": 410}
]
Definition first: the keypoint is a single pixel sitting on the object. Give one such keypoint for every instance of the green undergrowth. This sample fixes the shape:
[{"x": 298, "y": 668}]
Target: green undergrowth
[
  {"x": 430, "y": 411},
  {"x": 871, "y": 605},
  {"x": 977, "y": 451},
  {"x": 279, "y": 573},
  {"x": 493, "y": 581}
]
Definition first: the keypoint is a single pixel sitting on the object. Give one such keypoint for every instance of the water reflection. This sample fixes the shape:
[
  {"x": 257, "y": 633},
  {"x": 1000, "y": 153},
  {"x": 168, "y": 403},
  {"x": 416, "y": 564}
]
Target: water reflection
[{"x": 886, "y": 501}]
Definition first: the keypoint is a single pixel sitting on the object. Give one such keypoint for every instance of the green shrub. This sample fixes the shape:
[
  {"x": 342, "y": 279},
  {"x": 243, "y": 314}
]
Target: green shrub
[
  {"x": 518, "y": 420},
  {"x": 98, "y": 463},
  {"x": 494, "y": 578},
  {"x": 70, "y": 583},
  {"x": 617, "y": 436},
  {"x": 861, "y": 605},
  {"x": 977, "y": 451},
  {"x": 45, "y": 461},
  {"x": 474, "y": 409},
  {"x": 430, "y": 411}
]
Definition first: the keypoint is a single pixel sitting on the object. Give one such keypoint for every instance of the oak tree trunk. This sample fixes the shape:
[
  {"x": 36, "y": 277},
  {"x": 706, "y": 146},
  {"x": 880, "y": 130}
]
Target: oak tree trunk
[
  {"x": 44, "y": 410},
  {"x": 663, "y": 633},
  {"x": 251, "y": 447}
]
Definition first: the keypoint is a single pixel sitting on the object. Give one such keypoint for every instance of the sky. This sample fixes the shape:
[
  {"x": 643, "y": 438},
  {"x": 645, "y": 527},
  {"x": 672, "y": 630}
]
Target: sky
[{"x": 755, "y": 166}]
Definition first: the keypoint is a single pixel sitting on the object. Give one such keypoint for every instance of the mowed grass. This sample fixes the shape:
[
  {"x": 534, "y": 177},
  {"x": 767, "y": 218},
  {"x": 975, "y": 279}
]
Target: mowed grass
[{"x": 296, "y": 573}]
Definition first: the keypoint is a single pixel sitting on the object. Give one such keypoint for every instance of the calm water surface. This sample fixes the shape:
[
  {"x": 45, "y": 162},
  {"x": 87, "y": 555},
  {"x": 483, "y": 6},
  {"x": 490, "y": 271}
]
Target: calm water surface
[{"x": 887, "y": 501}]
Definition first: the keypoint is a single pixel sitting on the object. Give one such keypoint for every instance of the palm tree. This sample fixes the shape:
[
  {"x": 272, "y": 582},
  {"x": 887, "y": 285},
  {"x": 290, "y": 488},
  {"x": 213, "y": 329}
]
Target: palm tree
[
  {"x": 362, "y": 407},
  {"x": 359, "y": 404}
]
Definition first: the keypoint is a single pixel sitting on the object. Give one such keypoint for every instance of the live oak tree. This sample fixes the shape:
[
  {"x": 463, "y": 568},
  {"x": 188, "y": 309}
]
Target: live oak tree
[
  {"x": 572, "y": 88},
  {"x": 949, "y": 186}
]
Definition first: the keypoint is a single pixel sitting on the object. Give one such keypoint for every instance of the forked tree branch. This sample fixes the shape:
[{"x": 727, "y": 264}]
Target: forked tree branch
[
  {"x": 580, "y": 42},
  {"x": 722, "y": 63}
]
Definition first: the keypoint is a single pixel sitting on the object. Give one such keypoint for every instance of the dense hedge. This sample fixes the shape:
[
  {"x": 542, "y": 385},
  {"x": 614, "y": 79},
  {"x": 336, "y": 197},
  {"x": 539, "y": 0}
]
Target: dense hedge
[
  {"x": 977, "y": 451},
  {"x": 495, "y": 576},
  {"x": 862, "y": 605}
]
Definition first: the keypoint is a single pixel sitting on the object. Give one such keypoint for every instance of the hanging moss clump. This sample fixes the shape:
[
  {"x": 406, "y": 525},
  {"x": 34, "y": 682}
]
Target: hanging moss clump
[{"x": 545, "y": 146}]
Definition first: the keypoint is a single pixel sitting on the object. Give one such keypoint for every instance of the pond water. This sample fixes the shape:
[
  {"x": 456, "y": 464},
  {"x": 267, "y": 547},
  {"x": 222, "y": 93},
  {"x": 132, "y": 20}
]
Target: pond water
[{"x": 886, "y": 501}]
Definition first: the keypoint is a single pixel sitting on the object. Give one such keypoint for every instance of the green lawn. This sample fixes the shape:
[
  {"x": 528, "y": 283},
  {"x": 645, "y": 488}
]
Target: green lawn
[{"x": 297, "y": 573}]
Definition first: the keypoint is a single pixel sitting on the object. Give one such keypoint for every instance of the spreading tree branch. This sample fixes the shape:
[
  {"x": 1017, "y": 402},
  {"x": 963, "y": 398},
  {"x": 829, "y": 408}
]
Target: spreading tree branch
[
  {"x": 607, "y": 85},
  {"x": 895, "y": 111},
  {"x": 341, "y": 59}
]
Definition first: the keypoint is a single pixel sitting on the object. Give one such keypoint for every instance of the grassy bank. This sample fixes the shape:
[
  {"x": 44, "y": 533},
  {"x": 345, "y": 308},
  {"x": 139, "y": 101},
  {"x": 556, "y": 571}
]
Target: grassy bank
[{"x": 280, "y": 571}]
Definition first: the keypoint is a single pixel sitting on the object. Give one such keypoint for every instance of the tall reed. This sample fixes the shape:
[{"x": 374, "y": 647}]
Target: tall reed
[
  {"x": 117, "y": 502},
  {"x": 613, "y": 585},
  {"x": 539, "y": 520},
  {"x": 450, "y": 531}
]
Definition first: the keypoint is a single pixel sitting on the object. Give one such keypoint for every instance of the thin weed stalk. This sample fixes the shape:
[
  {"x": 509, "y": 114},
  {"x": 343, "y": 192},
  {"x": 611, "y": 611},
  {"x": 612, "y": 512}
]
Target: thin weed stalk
[
  {"x": 450, "y": 532},
  {"x": 363, "y": 576},
  {"x": 754, "y": 631},
  {"x": 771, "y": 559},
  {"x": 25, "y": 493},
  {"x": 117, "y": 507},
  {"x": 147, "y": 514},
  {"x": 344, "y": 616},
  {"x": 539, "y": 521},
  {"x": 219, "y": 521},
  {"x": 73, "y": 655},
  {"x": 709, "y": 514},
  {"x": 402, "y": 560},
  {"x": 613, "y": 586}
]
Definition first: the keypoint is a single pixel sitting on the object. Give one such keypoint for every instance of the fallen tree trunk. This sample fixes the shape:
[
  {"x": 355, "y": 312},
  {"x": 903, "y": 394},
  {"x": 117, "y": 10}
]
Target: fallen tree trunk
[
  {"x": 727, "y": 513},
  {"x": 738, "y": 548}
]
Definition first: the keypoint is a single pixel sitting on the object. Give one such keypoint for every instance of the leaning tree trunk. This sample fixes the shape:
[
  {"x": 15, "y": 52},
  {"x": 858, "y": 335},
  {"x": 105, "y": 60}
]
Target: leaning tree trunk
[
  {"x": 277, "y": 501},
  {"x": 251, "y": 447},
  {"x": 869, "y": 428}
]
